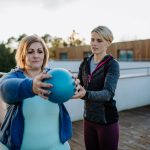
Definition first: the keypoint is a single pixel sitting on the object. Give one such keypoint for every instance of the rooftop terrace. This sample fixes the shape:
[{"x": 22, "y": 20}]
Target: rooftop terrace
[{"x": 134, "y": 130}]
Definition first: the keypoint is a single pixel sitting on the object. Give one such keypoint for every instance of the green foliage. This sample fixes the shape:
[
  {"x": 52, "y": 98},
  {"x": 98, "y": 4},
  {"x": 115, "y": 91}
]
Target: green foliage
[
  {"x": 21, "y": 36},
  {"x": 74, "y": 40},
  {"x": 7, "y": 58},
  {"x": 47, "y": 38},
  {"x": 56, "y": 42},
  {"x": 7, "y": 52},
  {"x": 10, "y": 40},
  {"x": 52, "y": 53}
]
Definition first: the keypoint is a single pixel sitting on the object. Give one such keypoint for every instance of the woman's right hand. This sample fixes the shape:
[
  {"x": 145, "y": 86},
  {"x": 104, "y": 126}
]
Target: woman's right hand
[
  {"x": 80, "y": 93},
  {"x": 41, "y": 88}
]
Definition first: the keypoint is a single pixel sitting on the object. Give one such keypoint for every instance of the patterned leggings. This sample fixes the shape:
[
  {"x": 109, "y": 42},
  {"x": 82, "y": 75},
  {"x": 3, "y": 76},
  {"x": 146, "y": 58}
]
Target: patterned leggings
[{"x": 101, "y": 137}]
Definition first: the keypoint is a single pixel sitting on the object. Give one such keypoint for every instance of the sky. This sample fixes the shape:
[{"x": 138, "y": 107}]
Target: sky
[{"x": 128, "y": 19}]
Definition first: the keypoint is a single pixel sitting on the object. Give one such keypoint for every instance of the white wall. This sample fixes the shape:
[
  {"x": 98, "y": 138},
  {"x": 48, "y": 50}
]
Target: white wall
[
  {"x": 75, "y": 108},
  {"x": 131, "y": 92},
  {"x": 74, "y": 65}
]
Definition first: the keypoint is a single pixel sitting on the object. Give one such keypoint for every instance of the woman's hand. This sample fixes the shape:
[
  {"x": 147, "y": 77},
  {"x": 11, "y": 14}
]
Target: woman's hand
[
  {"x": 80, "y": 91},
  {"x": 39, "y": 87}
]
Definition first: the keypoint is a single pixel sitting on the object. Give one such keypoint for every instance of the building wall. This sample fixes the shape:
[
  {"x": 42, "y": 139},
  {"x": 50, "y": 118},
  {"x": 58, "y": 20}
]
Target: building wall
[
  {"x": 74, "y": 53},
  {"x": 140, "y": 48}
]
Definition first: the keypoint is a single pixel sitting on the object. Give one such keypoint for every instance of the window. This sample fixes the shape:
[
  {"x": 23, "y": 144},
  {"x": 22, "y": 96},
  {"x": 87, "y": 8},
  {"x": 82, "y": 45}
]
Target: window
[
  {"x": 63, "y": 56},
  {"x": 125, "y": 55}
]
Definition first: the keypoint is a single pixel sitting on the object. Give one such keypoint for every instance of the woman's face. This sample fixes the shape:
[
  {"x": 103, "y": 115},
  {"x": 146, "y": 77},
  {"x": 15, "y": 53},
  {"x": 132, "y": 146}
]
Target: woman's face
[
  {"x": 34, "y": 56},
  {"x": 98, "y": 44}
]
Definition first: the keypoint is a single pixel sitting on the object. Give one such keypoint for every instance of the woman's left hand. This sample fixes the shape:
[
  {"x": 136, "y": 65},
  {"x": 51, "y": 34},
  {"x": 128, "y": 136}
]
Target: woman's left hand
[{"x": 80, "y": 91}]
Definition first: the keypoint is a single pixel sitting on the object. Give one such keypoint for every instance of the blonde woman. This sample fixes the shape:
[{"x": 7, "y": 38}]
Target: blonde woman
[
  {"x": 32, "y": 122},
  {"x": 99, "y": 75}
]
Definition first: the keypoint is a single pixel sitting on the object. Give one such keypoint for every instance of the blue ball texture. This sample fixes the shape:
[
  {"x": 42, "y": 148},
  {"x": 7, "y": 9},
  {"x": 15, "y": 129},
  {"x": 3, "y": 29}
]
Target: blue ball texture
[{"x": 63, "y": 85}]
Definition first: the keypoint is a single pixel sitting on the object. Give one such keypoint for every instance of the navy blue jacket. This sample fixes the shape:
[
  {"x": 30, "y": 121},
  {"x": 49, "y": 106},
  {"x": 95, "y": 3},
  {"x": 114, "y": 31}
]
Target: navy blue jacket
[{"x": 14, "y": 87}]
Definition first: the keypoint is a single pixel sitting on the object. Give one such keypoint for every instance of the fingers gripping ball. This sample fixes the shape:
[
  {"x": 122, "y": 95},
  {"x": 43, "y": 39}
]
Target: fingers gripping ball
[{"x": 63, "y": 85}]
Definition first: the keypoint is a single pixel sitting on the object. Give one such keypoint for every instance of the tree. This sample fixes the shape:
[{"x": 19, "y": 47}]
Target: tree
[
  {"x": 12, "y": 43},
  {"x": 21, "y": 36},
  {"x": 65, "y": 44},
  {"x": 47, "y": 38},
  {"x": 11, "y": 40},
  {"x": 7, "y": 58},
  {"x": 74, "y": 39},
  {"x": 56, "y": 42}
]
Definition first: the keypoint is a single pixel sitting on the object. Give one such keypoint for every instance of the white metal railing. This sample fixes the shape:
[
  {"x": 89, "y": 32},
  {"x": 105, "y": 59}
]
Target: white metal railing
[{"x": 131, "y": 72}]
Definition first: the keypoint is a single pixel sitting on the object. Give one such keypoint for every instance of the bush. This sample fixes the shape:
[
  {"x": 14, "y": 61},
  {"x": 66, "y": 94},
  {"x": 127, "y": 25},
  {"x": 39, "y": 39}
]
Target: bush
[{"x": 7, "y": 58}]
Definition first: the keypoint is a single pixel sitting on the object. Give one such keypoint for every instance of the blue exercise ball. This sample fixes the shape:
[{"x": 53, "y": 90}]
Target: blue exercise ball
[{"x": 63, "y": 85}]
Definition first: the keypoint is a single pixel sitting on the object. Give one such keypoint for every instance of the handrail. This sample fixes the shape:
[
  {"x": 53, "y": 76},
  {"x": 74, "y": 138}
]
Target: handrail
[
  {"x": 134, "y": 68},
  {"x": 121, "y": 69},
  {"x": 138, "y": 68}
]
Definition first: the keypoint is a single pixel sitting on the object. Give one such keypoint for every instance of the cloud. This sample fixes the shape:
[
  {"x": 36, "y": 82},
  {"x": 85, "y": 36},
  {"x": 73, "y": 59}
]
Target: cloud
[{"x": 53, "y": 4}]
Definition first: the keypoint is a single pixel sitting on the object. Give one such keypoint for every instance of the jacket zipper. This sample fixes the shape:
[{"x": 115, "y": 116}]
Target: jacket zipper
[{"x": 98, "y": 66}]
